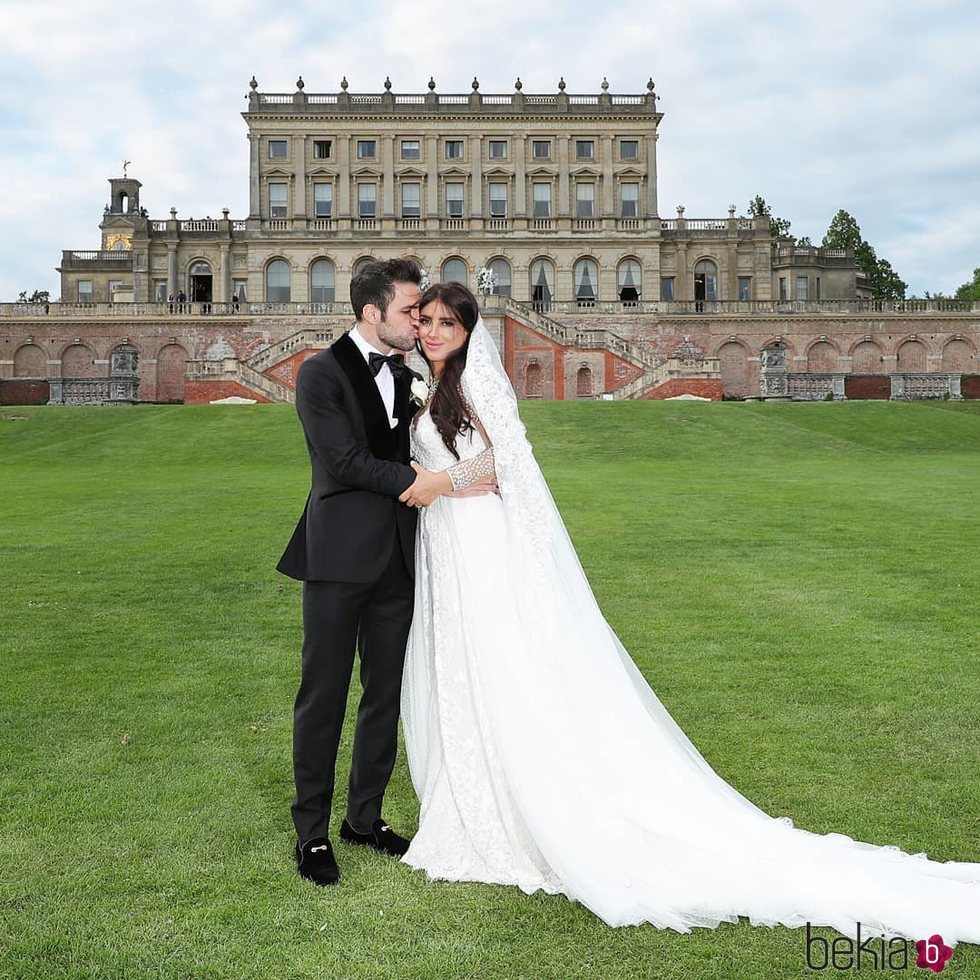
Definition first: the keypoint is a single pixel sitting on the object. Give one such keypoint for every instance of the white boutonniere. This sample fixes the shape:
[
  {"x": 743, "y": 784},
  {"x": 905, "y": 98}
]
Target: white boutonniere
[{"x": 420, "y": 392}]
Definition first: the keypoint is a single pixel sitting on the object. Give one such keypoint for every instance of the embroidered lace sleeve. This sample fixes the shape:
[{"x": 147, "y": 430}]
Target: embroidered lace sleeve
[{"x": 468, "y": 471}]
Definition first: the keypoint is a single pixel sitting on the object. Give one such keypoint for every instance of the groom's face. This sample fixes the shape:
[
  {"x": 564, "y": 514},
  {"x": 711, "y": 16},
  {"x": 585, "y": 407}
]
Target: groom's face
[{"x": 399, "y": 325}]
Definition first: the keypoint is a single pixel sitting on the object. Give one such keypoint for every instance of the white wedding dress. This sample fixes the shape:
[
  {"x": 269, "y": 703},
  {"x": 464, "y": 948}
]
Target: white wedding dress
[{"x": 542, "y": 758}]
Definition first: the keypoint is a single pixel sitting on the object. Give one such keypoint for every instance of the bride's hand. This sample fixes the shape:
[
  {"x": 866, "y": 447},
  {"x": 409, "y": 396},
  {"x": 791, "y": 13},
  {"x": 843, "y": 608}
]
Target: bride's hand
[
  {"x": 479, "y": 489},
  {"x": 427, "y": 487}
]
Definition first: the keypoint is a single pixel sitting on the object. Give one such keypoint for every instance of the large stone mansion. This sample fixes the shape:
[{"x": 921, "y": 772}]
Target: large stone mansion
[{"x": 552, "y": 197}]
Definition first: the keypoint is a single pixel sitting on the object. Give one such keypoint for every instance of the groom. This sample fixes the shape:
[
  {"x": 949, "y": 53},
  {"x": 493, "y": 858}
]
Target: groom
[{"x": 354, "y": 551}]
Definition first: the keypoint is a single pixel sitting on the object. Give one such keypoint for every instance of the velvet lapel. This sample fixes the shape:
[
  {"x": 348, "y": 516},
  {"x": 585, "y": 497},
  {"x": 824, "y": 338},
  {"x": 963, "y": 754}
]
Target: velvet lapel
[{"x": 379, "y": 432}]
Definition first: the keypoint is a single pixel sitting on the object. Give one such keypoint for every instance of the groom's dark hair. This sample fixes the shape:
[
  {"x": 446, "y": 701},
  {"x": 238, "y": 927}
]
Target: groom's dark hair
[{"x": 375, "y": 283}]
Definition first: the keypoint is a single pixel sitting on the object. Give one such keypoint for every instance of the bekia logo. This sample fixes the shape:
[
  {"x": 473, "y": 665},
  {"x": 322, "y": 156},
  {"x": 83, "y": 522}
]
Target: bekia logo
[{"x": 874, "y": 953}]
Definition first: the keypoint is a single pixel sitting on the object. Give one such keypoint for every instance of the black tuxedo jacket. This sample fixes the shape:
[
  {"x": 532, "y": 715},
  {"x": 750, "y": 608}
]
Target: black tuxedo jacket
[{"x": 352, "y": 518}]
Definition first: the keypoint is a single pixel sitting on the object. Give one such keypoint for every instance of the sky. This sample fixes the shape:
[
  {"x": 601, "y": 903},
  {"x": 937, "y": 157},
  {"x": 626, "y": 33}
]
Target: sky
[{"x": 869, "y": 106}]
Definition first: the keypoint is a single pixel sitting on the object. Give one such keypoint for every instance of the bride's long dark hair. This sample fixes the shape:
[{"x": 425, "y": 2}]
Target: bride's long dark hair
[{"x": 449, "y": 411}]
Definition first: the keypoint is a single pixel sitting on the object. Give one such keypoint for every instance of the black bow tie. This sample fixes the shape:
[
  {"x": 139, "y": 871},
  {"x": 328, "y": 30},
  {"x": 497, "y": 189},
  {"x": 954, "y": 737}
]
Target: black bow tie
[{"x": 394, "y": 361}]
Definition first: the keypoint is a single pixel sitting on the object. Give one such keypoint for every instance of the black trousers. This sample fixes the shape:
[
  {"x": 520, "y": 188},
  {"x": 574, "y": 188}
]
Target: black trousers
[{"x": 337, "y": 616}]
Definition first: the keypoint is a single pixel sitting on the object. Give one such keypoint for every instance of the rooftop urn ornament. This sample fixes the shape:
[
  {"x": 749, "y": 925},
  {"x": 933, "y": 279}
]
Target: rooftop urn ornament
[
  {"x": 561, "y": 84},
  {"x": 476, "y": 84},
  {"x": 605, "y": 84},
  {"x": 343, "y": 83},
  {"x": 650, "y": 84},
  {"x": 387, "y": 83},
  {"x": 300, "y": 84},
  {"x": 432, "y": 84},
  {"x": 253, "y": 84},
  {"x": 518, "y": 85}
]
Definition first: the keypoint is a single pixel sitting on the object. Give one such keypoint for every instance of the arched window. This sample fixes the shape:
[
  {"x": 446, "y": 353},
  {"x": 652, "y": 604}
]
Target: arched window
[
  {"x": 705, "y": 281},
  {"x": 629, "y": 280},
  {"x": 359, "y": 265},
  {"x": 277, "y": 281},
  {"x": 501, "y": 270},
  {"x": 586, "y": 282},
  {"x": 322, "y": 281},
  {"x": 454, "y": 270},
  {"x": 542, "y": 275},
  {"x": 583, "y": 383},
  {"x": 534, "y": 381}
]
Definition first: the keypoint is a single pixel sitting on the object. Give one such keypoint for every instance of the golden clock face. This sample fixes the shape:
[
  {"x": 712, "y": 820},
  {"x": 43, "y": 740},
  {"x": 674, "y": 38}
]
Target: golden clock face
[{"x": 118, "y": 243}]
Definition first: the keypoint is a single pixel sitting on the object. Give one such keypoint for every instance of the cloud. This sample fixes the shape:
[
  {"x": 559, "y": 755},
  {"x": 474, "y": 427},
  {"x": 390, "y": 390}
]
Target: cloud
[{"x": 871, "y": 107}]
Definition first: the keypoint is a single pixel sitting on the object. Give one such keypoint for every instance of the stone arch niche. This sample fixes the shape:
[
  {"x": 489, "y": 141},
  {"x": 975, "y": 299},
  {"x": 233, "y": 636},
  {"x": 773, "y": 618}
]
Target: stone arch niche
[
  {"x": 958, "y": 357},
  {"x": 78, "y": 361},
  {"x": 171, "y": 368},
  {"x": 30, "y": 361},
  {"x": 912, "y": 357},
  {"x": 866, "y": 358},
  {"x": 584, "y": 383},
  {"x": 822, "y": 358},
  {"x": 534, "y": 380},
  {"x": 733, "y": 362}
]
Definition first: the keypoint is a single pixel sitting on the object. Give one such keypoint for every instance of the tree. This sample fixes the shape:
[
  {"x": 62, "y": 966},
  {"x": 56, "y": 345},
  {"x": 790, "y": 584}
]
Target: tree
[
  {"x": 845, "y": 232},
  {"x": 38, "y": 296},
  {"x": 970, "y": 290},
  {"x": 804, "y": 242},
  {"x": 759, "y": 208}
]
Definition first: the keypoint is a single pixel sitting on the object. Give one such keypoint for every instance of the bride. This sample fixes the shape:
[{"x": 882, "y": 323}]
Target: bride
[{"x": 540, "y": 755}]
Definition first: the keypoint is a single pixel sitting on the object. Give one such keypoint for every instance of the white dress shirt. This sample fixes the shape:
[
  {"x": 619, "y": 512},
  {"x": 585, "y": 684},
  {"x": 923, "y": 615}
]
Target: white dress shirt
[{"x": 384, "y": 379}]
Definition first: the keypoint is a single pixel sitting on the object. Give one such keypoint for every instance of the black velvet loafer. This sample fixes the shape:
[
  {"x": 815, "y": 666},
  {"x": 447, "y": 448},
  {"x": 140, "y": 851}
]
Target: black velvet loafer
[
  {"x": 316, "y": 862},
  {"x": 382, "y": 838}
]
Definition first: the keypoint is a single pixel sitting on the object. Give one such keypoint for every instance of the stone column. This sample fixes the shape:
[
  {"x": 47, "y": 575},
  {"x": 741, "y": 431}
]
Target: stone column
[
  {"x": 254, "y": 199},
  {"x": 299, "y": 195},
  {"x": 652, "y": 211},
  {"x": 224, "y": 292},
  {"x": 432, "y": 177},
  {"x": 476, "y": 188},
  {"x": 562, "y": 211},
  {"x": 607, "y": 207},
  {"x": 520, "y": 176},
  {"x": 172, "y": 268},
  {"x": 344, "y": 209},
  {"x": 387, "y": 209}
]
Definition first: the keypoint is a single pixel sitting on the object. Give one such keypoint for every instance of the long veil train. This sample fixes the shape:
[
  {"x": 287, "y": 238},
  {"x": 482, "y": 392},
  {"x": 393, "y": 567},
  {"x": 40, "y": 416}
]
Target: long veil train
[{"x": 543, "y": 758}]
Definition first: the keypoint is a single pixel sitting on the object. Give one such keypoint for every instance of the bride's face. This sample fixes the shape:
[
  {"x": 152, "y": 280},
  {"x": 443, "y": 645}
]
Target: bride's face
[{"x": 440, "y": 332}]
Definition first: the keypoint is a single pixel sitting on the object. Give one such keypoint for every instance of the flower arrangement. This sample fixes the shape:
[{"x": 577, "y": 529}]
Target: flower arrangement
[
  {"x": 425, "y": 281},
  {"x": 486, "y": 280}
]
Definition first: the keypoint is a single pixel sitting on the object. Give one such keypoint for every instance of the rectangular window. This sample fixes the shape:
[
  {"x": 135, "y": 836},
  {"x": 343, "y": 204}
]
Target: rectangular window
[
  {"x": 454, "y": 200},
  {"x": 411, "y": 200},
  {"x": 817, "y": 297},
  {"x": 84, "y": 290},
  {"x": 277, "y": 149},
  {"x": 160, "y": 290},
  {"x": 782, "y": 288},
  {"x": 411, "y": 149},
  {"x": 629, "y": 149},
  {"x": 498, "y": 149},
  {"x": 454, "y": 149},
  {"x": 238, "y": 290},
  {"x": 667, "y": 288},
  {"x": 802, "y": 287},
  {"x": 321, "y": 149},
  {"x": 367, "y": 200},
  {"x": 323, "y": 200},
  {"x": 498, "y": 200},
  {"x": 584, "y": 200},
  {"x": 542, "y": 201},
  {"x": 744, "y": 288},
  {"x": 629, "y": 200},
  {"x": 541, "y": 149},
  {"x": 277, "y": 200},
  {"x": 585, "y": 149},
  {"x": 366, "y": 149}
]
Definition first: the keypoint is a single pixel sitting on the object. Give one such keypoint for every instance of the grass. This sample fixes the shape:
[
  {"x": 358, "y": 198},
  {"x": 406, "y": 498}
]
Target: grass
[{"x": 799, "y": 583}]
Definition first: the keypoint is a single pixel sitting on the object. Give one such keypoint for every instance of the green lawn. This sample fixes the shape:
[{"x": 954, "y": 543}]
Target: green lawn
[{"x": 800, "y": 584}]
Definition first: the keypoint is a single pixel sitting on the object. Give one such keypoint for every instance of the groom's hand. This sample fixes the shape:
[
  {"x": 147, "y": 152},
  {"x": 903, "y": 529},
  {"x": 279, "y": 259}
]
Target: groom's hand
[{"x": 427, "y": 487}]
